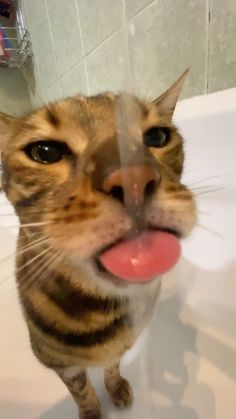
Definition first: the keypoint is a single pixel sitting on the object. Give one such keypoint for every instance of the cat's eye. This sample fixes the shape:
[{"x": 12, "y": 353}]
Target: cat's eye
[
  {"x": 156, "y": 137},
  {"x": 47, "y": 152}
]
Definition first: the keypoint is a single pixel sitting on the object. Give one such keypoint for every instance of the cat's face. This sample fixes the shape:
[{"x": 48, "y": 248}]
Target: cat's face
[{"x": 62, "y": 167}]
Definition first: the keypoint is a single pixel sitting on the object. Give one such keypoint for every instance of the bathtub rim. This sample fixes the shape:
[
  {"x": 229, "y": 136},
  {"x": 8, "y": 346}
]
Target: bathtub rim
[{"x": 208, "y": 104}]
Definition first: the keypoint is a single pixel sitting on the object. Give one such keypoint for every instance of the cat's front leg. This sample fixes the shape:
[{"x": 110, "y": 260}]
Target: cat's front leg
[
  {"x": 82, "y": 391},
  {"x": 118, "y": 387}
]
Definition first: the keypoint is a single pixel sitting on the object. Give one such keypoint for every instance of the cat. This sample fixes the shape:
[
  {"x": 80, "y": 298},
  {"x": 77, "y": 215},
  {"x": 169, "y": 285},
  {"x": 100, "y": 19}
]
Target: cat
[{"x": 77, "y": 201}]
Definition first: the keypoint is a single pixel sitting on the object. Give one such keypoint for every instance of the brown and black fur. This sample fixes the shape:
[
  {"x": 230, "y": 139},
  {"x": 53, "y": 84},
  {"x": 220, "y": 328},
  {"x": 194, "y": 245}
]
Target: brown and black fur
[{"x": 78, "y": 315}]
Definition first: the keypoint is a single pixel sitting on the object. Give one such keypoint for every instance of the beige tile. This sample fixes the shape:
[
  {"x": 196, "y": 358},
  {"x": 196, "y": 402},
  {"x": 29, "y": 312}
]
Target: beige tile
[
  {"x": 42, "y": 43},
  {"x": 107, "y": 67},
  {"x": 35, "y": 100},
  {"x": 66, "y": 33},
  {"x": 30, "y": 72},
  {"x": 32, "y": 78},
  {"x": 222, "y": 59},
  {"x": 163, "y": 44},
  {"x": 53, "y": 93},
  {"x": 24, "y": 13},
  {"x": 14, "y": 95},
  {"x": 74, "y": 81},
  {"x": 135, "y": 6},
  {"x": 99, "y": 19}
]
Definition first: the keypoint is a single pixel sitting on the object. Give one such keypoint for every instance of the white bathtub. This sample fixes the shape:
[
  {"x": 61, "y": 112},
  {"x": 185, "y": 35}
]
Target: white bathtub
[{"x": 187, "y": 369}]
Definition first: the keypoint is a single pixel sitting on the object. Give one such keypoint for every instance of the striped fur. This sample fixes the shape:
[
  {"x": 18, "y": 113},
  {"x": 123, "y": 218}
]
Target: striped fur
[{"x": 78, "y": 316}]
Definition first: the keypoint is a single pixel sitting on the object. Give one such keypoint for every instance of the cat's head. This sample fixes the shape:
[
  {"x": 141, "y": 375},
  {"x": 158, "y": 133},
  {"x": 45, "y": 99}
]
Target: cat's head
[{"x": 96, "y": 169}]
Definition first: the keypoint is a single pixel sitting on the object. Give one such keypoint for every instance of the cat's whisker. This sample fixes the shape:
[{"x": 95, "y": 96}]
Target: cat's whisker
[
  {"x": 33, "y": 269},
  {"x": 207, "y": 188},
  {"x": 195, "y": 182},
  {"x": 33, "y": 259},
  {"x": 7, "y": 215},
  {"x": 203, "y": 212},
  {"x": 55, "y": 257},
  {"x": 39, "y": 240},
  {"x": 199, "y": 194},
  {"x": 35, "y": 224},
  {"x": 29, "y": 212},
  {"x": 209, "y": 230},
  {"x": 28, "y": 263},
  {"x": 21, "y": 226},
  {"x": 25, "y": 249}
]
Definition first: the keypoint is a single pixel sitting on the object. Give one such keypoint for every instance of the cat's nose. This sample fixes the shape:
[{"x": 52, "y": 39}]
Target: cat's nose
[{"x": 132, "y": 185}]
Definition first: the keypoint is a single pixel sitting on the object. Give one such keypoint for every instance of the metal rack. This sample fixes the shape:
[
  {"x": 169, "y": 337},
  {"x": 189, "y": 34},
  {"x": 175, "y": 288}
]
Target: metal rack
[
  {"x": 16, "y": 43},
  {"x": 20, "y": 51}
]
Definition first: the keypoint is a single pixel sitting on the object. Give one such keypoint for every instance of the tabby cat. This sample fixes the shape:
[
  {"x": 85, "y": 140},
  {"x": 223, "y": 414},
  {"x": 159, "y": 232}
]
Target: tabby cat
[{"x": 77, "y": 201}]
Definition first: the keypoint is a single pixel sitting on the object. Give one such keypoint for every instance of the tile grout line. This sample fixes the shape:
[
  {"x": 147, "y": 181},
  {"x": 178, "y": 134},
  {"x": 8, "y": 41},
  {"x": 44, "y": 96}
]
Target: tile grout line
[
  {"x": 93, "y": 50},
  {"x": 85, "y": 56},
  {"x": 142, "y": 10},
  {"x": 84, "y": 59},
  {"x": 51, "y": 85},
  {"x": 54, "y": 48},
  {"x": 117, "y": 30},
  {"x": 104, "y": 41},
  {"x": 71, "y": 67},
  {"x": 120, "y": 27}
]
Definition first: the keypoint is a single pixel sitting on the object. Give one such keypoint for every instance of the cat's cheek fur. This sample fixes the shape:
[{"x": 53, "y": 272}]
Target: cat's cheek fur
[
  {"x": 81, "y": 241},
  {"x": 177, "y": 215}
]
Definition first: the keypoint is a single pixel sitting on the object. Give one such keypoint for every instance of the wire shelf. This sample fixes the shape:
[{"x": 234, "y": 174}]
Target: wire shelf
[{"x": 17, "y": 47}]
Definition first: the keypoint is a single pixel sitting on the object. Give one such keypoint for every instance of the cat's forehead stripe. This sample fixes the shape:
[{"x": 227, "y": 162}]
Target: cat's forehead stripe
[
  {"x": 92, "y": 116},
  {"x": 52, "y": 117}
]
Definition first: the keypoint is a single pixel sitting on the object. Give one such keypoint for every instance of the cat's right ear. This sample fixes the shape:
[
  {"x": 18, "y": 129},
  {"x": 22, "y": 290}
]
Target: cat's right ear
[
  {"x": 6, "y": 125},
  {"x": 166, "y": 103}
]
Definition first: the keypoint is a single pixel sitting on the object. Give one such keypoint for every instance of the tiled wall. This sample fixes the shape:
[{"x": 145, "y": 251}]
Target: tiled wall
[
  {"x": 14, "y": 97},
  {"x": 80, "y": 45}
]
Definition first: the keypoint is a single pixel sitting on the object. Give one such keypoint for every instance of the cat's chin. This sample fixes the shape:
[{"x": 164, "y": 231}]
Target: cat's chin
[
  {"x": 107, "y": 276},
  {"x": 96, "y": 275},
  {"x": 113, "y": 285}
]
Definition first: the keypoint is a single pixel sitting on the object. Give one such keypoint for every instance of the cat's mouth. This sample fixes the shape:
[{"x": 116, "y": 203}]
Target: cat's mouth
[{"x": 140, "y": 257}]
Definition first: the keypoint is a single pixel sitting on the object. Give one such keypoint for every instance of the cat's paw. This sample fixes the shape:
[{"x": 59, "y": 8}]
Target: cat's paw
[{"x": 122, "y": 393}]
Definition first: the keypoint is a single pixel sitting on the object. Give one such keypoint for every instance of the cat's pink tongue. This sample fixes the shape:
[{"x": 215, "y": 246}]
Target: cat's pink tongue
[{"x": 142, "y": 258}]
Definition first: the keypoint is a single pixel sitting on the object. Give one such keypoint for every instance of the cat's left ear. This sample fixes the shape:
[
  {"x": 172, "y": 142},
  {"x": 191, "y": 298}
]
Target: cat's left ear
[
  {"x": 166, "y": 103},
  {"x": 6, "y": 125}
]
